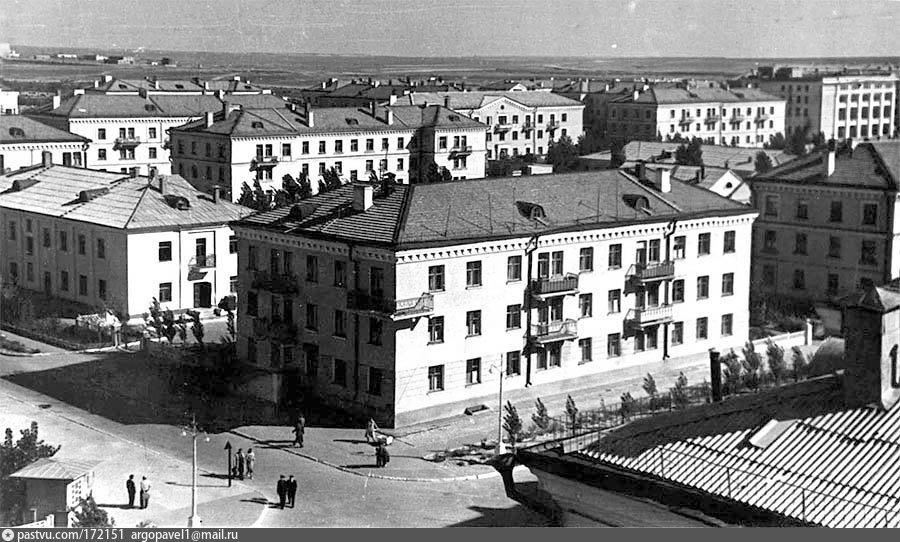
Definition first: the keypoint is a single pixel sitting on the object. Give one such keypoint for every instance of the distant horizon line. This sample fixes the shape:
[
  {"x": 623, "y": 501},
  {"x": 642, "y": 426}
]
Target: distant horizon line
[{"x": 144, "y": 51}]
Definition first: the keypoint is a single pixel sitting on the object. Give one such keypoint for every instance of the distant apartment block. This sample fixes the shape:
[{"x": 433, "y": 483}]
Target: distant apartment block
[
  {"x": 238, "y": 146},
  {"x": 855, "y": 105},
  {"x": 827, "y": 223},
  {"x": 23, "y": 142},
  {"x": 519, "y": 122},
  {"x": 9, "y": 102},
  {"x": 743, "y": 117},
  {"x": 116, "y": 241},
  {"x": 410, "y": 301}
]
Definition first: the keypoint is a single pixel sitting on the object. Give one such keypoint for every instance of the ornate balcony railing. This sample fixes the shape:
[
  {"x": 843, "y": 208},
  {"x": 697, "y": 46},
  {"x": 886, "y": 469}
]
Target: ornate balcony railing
[
  {"x": 649, "y": 316},
  {"x": 202, "y": 261},
  {"x": 686, "y": 120},
  {"x": 277, "y": 329},
  {"x": 126, "y": 142},
  {"x": 555, "y": 331},
  {"x": 396, "y": 309},
  {"x": 553, "y": 125},
  {"x": 502, "y": 127},
  {"x": 262, "y": 162},
  {"x": 652, "y": 270},
  {"x": 738, "y": 117},
  {"x": 277, "y": 283},
  {"x": 713, "y": 118},
  {"x": 462, "y": 150},
  {"x": 567, "y": 284},
  {"x": 762, "y": 118}
]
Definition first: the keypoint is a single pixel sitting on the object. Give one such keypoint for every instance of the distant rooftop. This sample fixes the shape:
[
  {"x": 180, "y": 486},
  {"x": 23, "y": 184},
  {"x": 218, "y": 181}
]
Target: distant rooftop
[
  {"x": 19, "y": 129},
  {"x": 477, "y": 99},
  {"x": 701, "y": 93},
  {"x": 720, "y": 156},
  {"x": 873, "y": 165}
]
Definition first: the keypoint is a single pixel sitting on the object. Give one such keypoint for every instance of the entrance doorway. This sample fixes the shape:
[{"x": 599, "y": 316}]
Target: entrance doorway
[{"x": 202, "y": 295}]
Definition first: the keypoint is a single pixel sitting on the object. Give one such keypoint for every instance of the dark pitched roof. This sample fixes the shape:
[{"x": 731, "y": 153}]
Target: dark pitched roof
[
  {"x": 21, "y": 129},
  {"x": 677, "y": 94},
  {"x": 94, "y": 105},
  {"x": 736, "y": 158},
  {"x": 477, "y": 210},
  {"x": 871, "y": 165},
  {"x": 476, "y": 99}
]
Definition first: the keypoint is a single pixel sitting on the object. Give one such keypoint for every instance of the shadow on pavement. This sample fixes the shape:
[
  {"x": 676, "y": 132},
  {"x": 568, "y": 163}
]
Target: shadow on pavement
[
  {"x": 257, "y": 500},
  {"x": 366, "y": 466},
  {"x": 517, "y": 516}
]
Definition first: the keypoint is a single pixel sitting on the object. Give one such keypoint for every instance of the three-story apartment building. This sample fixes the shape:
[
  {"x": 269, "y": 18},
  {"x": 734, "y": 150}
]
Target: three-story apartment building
[
  {"x": 240, "y": 146},
  {"x": 743, "y": 117},
  {"x": 116, "y": 241},
  {"x": 521, "y": 122},
  {"x": 829, "y": 223},
  {"x": 399, "y": 299}
]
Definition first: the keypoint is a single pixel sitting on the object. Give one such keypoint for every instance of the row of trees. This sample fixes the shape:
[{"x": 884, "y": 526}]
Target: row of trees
[{"x": 163, "y": 323}]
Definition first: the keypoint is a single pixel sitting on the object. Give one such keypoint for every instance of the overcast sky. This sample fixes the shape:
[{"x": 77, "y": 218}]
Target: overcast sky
[{"x": 751, "y": 28}]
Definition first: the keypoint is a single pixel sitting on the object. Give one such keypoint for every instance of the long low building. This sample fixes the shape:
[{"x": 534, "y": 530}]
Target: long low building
[
  {"x": 23, "y": 142},
  {"x": 398, "y": 299},
  {"x": 112, "y": 240}
]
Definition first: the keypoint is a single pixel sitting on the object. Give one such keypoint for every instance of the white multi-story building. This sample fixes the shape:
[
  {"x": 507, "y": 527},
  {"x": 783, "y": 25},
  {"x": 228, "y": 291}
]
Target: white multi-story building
[
  {"x": 116, "y": 241},
  {"x": 23, "y": 142},
  {"x": 521, "y": 122},
  {"x": 398, "y": 299},
  {"x": 743, "y": 117},
  {"x": 9, "y": 102},
  {"x": 840, "y": 105},
  {"x": 239, "y": 146}
]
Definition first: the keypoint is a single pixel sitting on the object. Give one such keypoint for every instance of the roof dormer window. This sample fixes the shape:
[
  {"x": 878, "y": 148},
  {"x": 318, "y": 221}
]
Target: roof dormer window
[
  {"x": 15, "y": 131},
  {"x": 256, "y": 124}
]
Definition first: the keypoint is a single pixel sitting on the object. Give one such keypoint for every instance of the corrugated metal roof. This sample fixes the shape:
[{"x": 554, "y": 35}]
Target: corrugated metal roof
[
  {"x": 825, "y": 464},
  {"x": 50, "y": 468}
]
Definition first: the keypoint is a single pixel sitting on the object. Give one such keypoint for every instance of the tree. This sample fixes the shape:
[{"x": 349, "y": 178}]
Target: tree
[
  {"x": 196, "y": 326},
  {"x": 800, "y": 362},
  {"x": 181, "y": 328},
  {"x": 512, "y": 424},
  {"x": 819, "y": 142},
  {"x": 679, "y": 392},
  {"x": 170, "y": 327},
  {"x": 626, "y": 405},
  {"x": 153, "y": 319},
  {"x": 563, "y": 155},
  {"x": 540, "y": 418},
  {"x": 732, "y": 373},
  {"x": 91, "y": 515},
  {"x": 572, "y": 412},
  {"x": 292, "y": 190},
  {"x": 432, "y": 173},
  {"x": 331, "y": 180},
  {"x": 229, "y": 325},
  {"x": 690, "y": 154},
  {"x": 652, "y": 392},
  {"x": 255, "y": 197},
  {"x": 775, "y": 354},
  {"x": 763, "y": 163},
  {"x": 14, "y": 456},
  {"x": 752, "y": 365},
  {"x": 776, "y": 142},
  {"x": 446, "y": 175},
  {"x": 796, "y": 141}
]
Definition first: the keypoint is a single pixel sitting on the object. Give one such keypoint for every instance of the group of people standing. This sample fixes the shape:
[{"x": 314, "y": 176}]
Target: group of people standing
[
  {"x": 287, "y": 490},
  {"x": 243, "y": 463},
  {"x": 132, "y": 490}
]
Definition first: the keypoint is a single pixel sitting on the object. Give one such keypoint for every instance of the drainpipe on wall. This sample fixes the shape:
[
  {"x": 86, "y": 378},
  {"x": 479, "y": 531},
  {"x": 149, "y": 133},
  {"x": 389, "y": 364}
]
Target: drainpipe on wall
[
  {"x": 529, "y": 250},
  {"x": 670, "y": 230}
]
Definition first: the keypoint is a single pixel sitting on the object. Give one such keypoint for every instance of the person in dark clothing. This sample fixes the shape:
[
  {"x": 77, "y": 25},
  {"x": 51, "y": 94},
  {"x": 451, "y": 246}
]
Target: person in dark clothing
[
  {"x": 381, "y": 456},
  {"x": 281, "y": 489},
  {"x": 239, "y": 461},
  {"x": 129, "y": 485},
  {"x": 299, "y": 429},
  {"x": 291, "y": 490}
]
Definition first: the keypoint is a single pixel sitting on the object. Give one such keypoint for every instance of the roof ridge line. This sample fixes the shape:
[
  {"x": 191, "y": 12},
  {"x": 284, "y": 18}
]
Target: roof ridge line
[{"x": 137, "y": 204}]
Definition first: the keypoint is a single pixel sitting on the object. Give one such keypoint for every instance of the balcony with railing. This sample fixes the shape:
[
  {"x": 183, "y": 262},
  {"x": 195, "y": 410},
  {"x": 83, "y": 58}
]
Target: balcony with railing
[
  {"x": 277, "y": 283},
  {"x": 565, "y": 330},
  {"x": 738, "y": 117},
  {"x": 276, "y": 329},
  {"x": 762, "y": 117},
  {"x": 396, "y": 309},
  {"x": 711, "y": 119},
  {"x": 551, "y": 286},
  {"x": 527, "y": 127},
  {"x": 552, "y": 124},
  {"x": 502, "y": 127},
  {"x": 263, "y": 162},
  {"x": 202, "y": 261},
  {"x": 686, "y": 120},
  {"x": 461, "y": 150},
  {"x": 648, "y": 316},
  {"x": 652, "y": 271},
  {"x": 126, "y": 142}
]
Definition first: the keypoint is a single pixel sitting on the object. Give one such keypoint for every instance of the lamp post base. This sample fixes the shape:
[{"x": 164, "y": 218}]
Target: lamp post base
[
  {"x": 194, "y": 521},
  {"x": 501, "y": 449}
]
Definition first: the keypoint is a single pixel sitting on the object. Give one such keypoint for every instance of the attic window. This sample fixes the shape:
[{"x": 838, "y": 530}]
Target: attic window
[
  {"x": 149, "y": 107},
  {"x": 123, "y": 87},
  {"x": 179, "y": 86},
  {"x": 16, "y": 132},
  {"x": 178, "y": 202},
  {"x": 352, "y": 122},
  {"x": 256, "y": 124},
  {"x": 453, "y": 118},
  {"x": 531, "y": 211},
  {"x": 247, "y": 87},
  {"x": 637, "y": 202}
]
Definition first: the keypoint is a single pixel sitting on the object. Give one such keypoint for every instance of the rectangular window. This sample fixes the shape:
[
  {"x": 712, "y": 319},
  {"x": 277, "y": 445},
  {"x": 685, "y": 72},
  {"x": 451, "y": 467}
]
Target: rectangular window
[
  {"x": 436, "y": 329},
  {"x": 703, "y": 244},
  {"x": 252, "y": 303},
  {"x": 586, "y": 305},
  {"x": 614, "y": 301},
  {"x": 370, "y": 145},
  {"x": 101, "y": 249},
  {"x": 340, "y": 273},
  {"x": 729, "y": 241},
  {"x": 678, "y": 291},
  {"x": 727, "y": 325},
  {"x": 543, "y": 266},
  {"x": 677, "y": 333},
  {"x": 473, "y": 274},
  {"x": 232, "y": 283},
  {"x": 339, "y": 375},
  {"x": 799, "y": 279},
  {"x": 83, "y": 285},
  {"x": 436, "y": 278},
  {"x": 800, "y": 243},
  {"x": 340, "y": 323},
  {"x": 615, "y": 256},
  {"x": 728, "y": 284},
  {"x": 376, "y": 281},
  {"x": 312, "y": 316},
  {"x": 354, "y": 145},
  {"x": 586, "y": 259},
  {"x": 679, "y": 247},
  {"x": 82, "y": 245},
  {"x": 473, "y": 323},
  {"x": 513, "y": 268},
  {"x": 29, "y": 245},
  {"x": 587, "y": 350},
  {"x": 867, "y": 254},
  {"x": 834, "y": 247},
  {"x": 653, "y": 250},
  {"x": 513, "y": 363},
  {"x": 312, "y": 268},
  {"x": 165, "y": 292},
  {"x": 151, "y": 153},
  {"x": 770, "y": 241},
  {"x": 64, "y": 281},
  {"x": 556, "y": 263},
  {"x": 101, "y": 133},
  {"x": 46, "y": 238},
  {"x": 436, "y": 378},
  {"x": 613, "y": 345},
  {"x": 802, "y": 210},
  {"x": 771, "y": 208},
  {"x": 702, "y": 287},
  {"x": 29, "y": 275},
  {"x": 833, "y": 284},
  {"x": 870, "y": 214},
  {"x": 384, "y": 144},
  {"x": 513, "y": 316},
  {"x": 101, "y": 289},
  {"x": 376, "y": 330},
  {"x": 373, "y": 384},
  {"x": 12, "y": 230},
  {"x": 837, "y": 211},
  {"x": 702, "y": 328},
  {"x": 473, "y": 371}
]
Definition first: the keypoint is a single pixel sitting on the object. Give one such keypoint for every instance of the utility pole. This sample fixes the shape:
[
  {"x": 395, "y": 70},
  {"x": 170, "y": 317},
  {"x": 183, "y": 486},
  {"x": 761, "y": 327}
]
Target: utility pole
[
  {"x": 228, "y": 453},
  {"x": 193, "y": 430},
  {"x": 500, "y": 447}
]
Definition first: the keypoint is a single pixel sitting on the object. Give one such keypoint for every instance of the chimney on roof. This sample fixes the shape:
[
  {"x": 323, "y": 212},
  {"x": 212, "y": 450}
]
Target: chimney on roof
[
  {"x": 606, "y": 87},
  {"x": 107, "y": 78},
  {"x": 47, "y": 158},
  {"x": 236, "y": 78},
  {"x": 310, "y": 119},
  {"x": 661, "y": 180},
  {"x": 702, "y": 172},
  {"x": 392, "y": 100},
  {"x": 447, "y": 102},
  {"x": 162, "y": 185},
  {"x": 96, "y": 83},
  {"x": 57, "y": 100},
  {"x": 324, "y": 84},
  {"x": 153, "y": 173},
  {"x": 829, "y": 163},
  {"x": 636, "y": 94},
  {"x": 209, "y": 118},
  {"x": 362, "y": 196},
  {"x": 640, "y": 170},
  {"x": 78, "y": 92},
  {"x": 715, "y": 373},
  {"x": 372, "y": 109},
  {"x": 390, "y": 117},
  {"x": 206, "y": 85},
  {"x": 216, "y": 193}
]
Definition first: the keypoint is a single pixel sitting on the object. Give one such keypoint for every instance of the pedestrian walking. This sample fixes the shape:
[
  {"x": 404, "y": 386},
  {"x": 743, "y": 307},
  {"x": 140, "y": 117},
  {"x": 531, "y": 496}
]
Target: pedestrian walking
[
  {"x": 239, "y": 460},
  {"x": 371, "y": 427},
  {"x": 281, "y": 489},
  {"x": 299, "y": 429},
  {"x": 292, "y": 490},
  {"x": 145, "y": 492},
  {"x": 251, "y": 462},
  {"x": 129, "y": 485}
]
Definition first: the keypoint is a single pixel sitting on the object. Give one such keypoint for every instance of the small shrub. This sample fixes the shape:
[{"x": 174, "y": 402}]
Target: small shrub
[
  {"x": 652, "y": 392},
  {"x": 512, "y": 424},
  {"x": 540, "y": 418},
  {"x": 91, "y": 515},
  {"x": 752, "y": 365},
  {"x": 572, "y": 412},
  {"x": 732, "y": 373},
  {"x": 800, "y": 362},
  {"x": 777, "y": 366},
  {"x": 627, "y": 405},
  {"x": 679, "y": 392}
]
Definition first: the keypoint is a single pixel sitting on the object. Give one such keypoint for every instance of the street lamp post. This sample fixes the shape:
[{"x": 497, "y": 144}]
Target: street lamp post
[
  {"x": 193, "y": 430},
  {"x": 500, "y": 447}
]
